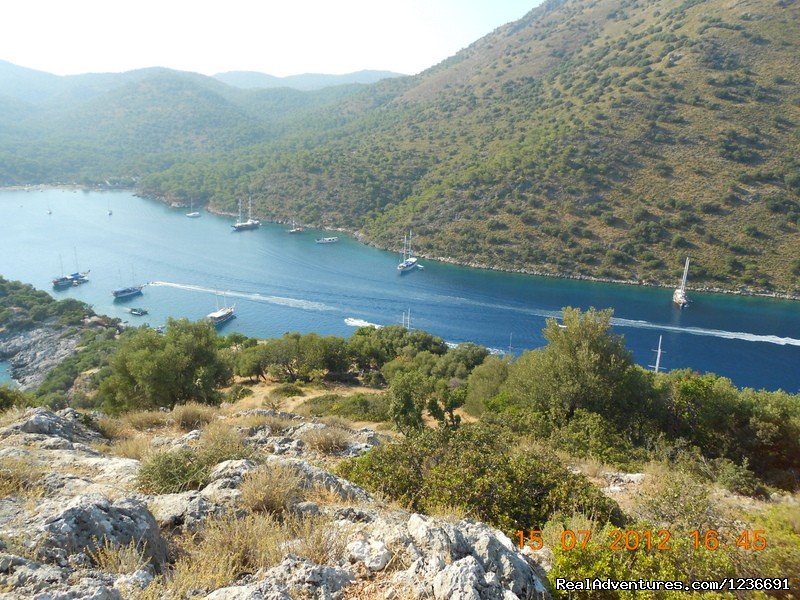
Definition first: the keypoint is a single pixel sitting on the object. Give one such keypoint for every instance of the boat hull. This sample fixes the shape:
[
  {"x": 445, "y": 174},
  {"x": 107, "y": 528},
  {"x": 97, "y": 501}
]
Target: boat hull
[{"x": 126, "y": 293}]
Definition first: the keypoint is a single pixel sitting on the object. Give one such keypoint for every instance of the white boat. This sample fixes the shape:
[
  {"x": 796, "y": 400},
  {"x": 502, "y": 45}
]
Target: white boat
[
  {"x": 192, "y": 214},
  {"x": 251, "y": 223},
  {"x": 127, "y": 292},
  {"x": 295, "y": 228},
  {"x": 327, "y": 240},
  {"x": 409, "y": 261},
  {"x": 222, "y": 315},
  {"x": 679, "y": 295}
]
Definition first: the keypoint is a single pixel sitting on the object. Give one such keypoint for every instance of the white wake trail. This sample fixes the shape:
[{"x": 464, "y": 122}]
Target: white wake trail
[
  {"x": 353, "y": 322},
  {"x": 730, "y": 335},
  {"x": 279, "y": 300}
]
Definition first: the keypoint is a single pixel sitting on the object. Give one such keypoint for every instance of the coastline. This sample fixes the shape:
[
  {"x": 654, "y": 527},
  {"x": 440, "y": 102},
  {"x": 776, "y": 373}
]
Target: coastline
[{"x": 361, "y": 238}]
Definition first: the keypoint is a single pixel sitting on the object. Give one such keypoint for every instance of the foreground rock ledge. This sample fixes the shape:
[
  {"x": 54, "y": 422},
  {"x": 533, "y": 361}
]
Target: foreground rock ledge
[{"x": 46, "y": 544}]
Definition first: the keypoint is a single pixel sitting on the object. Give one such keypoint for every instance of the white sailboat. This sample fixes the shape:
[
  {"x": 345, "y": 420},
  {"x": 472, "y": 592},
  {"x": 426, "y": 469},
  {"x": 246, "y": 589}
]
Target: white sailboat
[
  {"x": 409, "y": 261},
  {"x": 192, "y": 214},
  {"x": 679, "y": 295},
  {"x": 295, "y": 228},
  {"x": 251, "y": 223},
  {"x": 221, "y": 315}
]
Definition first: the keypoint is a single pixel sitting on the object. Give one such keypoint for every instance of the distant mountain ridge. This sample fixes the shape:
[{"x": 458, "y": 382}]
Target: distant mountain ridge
[
  {"x": 303, "y": 82},
  {"x": 591, "y": 138}
]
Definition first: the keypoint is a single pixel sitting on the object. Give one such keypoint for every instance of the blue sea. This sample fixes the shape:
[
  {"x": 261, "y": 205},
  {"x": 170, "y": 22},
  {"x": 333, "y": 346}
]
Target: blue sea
[{"x": 283, "y": 282}]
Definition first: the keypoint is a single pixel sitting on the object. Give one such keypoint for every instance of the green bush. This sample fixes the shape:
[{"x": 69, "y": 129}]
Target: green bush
[
  {"x": 357, "y": 407},
  {"x": 175, "y": 471},
  {"x": 477, "y": 468}
]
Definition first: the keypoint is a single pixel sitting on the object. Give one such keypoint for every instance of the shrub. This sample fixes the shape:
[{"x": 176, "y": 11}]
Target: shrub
[
  {"x": 738, "y": 478},
  {"x": 287, "y": 390},
  {"x": 329, "y": 440},
  {"x": 475, "y": 468},
  {"x": 272, "y": 489},
  {"x": 185, "y": 469},
  {"x": 192, "y": 415}
]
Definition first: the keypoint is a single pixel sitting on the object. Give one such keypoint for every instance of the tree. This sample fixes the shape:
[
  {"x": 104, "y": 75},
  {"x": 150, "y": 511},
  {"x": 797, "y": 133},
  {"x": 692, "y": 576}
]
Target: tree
[
  {"x": 409, "y": 392},
  {"x": 484, "y": 383},
  {"x": 151, "y": 370},
  {"x": 584, "y": 365}
]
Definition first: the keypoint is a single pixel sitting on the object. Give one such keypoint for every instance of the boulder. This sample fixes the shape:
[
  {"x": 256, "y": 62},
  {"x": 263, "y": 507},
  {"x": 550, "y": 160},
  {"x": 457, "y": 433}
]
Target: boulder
[
  {"x": 59, "y": 529},
  {"x": 24, "y": 578},
  {"x": 186, "y": 510},
  {"x": 293, "y": 578},
  {"x": 65, "y": 424}
]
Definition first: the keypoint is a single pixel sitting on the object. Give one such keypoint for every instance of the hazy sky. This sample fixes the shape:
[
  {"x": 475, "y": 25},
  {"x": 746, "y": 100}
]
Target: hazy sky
[{"x": 277, "y": 37}]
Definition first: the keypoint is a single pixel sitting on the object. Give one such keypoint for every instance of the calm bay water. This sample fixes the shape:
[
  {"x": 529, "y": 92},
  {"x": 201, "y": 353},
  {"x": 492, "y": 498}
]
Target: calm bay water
[{"x": 281, "y": 282}]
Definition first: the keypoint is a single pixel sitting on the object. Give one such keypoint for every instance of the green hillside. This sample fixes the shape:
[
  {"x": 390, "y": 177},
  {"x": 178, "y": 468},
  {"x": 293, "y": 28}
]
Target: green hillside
[
  {"x": 591, "y": 138},
  {"x": 98, "y": 127}
]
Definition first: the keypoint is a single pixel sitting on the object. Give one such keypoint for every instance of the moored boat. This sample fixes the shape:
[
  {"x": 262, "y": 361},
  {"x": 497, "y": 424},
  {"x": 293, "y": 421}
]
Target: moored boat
[
  {"x": 409, "y": 261},
  {"x": 222, "y": 315},
  {"x": 71, "y": 280},
  {"x": 127, "y": 292},
  {"x": 327, "y": 240},
  {"x": 138, "y": 312},
  {"x": 679, "y": 295},
  {"x": 251, "y": 223}
]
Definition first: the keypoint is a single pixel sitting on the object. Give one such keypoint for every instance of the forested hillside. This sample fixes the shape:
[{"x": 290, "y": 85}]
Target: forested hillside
[
  {"x": 591, "y": 137},
  {"x": 114, "y": 127}
]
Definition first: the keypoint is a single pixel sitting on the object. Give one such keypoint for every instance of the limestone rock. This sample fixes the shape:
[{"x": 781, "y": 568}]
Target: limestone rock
[
  {"x": 59, "y": 529},
  {"x": 65, "y": 424},
  {"x": 293, "y": 578},
  {"x": 186, "y": 510}
]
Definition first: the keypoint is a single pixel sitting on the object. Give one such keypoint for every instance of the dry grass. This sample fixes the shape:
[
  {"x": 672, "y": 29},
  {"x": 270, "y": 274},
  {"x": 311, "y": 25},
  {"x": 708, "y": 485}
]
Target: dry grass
[
  {"x": 113, "y": 428},
  {"x": 192, "y": 415},
  {"x": 227, "y": 548},
  {"x": 338, "y": 422},
  {"x": 145, "y": 420},
  {"x": 12, "y": 414},
  {"x": 326, "y": 441},
  {"x": 448, "y": 512},
  {"x": 118, "y": 558},
  {"x": 319, "y": 540},
  {"x": 19, "y": 478},
  {"x": 137, "y": 447},
  {"x": 271, "y": 489}
]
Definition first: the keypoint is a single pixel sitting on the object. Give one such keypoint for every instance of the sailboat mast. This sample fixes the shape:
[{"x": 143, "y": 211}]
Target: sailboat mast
[
  {"x": 657, "y": 367},
  {"x": 685, "y": 275},
  {"x": 658, "y": 355}
]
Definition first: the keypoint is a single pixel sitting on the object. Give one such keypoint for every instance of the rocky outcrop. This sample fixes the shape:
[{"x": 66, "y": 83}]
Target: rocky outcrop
[
  {"x": 48, "y": 547},
  {"x": 68, "y": 532},
  {"x": 293, "y": 578},
  {"x": 34, "y": 353},
  {"x": 65, "y": 425}
]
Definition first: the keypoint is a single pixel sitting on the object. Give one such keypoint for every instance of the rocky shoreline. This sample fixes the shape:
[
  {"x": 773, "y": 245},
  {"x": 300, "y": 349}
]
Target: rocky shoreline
[
  {"x": 361, "y": 238},
  {"x": 759, "y": 293},
  {"x": 33, "y": 353}
]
